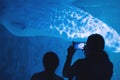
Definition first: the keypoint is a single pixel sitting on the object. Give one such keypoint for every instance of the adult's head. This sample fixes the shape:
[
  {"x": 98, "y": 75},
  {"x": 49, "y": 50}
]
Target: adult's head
[
  {"x": 50, "y": 61},
  {"x": 95, "y": 44}
]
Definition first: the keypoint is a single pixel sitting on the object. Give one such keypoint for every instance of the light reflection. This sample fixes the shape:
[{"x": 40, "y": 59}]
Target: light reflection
[
  {"x": 82, "y": 25},
  {"x": 70, "y": 22}
]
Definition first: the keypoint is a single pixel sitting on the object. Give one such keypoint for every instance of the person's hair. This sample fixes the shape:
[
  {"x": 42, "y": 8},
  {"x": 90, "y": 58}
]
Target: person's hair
[
  {"x": 50, "y": 61},
  {"x": 96, "y": 42}
]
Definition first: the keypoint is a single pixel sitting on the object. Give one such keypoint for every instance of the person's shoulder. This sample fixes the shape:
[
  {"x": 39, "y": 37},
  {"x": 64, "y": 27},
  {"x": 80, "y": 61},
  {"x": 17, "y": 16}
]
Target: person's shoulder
[
  {"x": 36, "y": 75},
  {"x": 58, "y": 77},
  {"x": 80, "y": 60}
]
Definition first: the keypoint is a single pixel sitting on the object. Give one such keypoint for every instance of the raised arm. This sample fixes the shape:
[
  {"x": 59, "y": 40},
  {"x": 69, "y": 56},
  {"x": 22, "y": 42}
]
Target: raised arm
[{"x": 67, "y": 70}]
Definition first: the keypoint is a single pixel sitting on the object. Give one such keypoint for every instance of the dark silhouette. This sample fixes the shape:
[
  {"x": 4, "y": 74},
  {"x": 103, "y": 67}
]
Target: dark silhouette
[
  {"x": 96, "y": 64},
  {"x": 50, "y": 62}
]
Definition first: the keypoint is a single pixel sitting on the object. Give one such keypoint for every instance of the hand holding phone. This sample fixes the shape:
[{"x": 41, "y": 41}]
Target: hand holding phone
[{"x": 79, "y": 45}]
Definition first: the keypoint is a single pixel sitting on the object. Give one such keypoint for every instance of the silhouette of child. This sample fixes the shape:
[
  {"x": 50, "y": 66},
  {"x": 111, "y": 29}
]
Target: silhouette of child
[{"x": 51, "y": 62}]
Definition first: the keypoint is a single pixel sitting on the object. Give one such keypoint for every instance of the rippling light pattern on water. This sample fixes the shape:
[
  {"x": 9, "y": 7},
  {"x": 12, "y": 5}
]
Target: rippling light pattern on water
[
  {"x": 72, "y": 23},
  {"x": 76, "y": 23}
]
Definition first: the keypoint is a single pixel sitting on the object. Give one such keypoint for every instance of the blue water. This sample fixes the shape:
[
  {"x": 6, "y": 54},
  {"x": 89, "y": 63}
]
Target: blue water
[{"x": 31, "y": 28}]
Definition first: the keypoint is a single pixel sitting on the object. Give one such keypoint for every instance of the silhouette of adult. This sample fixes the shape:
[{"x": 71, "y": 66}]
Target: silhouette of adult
[
  {"x": 96, "y": 64},
  {"x": 50, "y": 62}
]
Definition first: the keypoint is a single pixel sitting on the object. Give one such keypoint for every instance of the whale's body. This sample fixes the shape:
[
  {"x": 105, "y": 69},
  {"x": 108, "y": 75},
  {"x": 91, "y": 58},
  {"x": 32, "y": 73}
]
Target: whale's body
[{"x": 63, "y": 21}]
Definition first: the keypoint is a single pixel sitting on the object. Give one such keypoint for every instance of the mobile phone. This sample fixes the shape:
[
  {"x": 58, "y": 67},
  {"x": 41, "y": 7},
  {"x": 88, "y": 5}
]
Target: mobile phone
[{"x": 79, "y": 45}]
